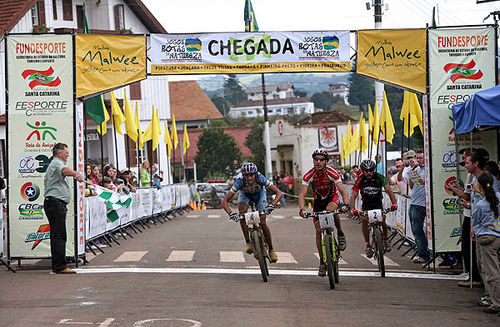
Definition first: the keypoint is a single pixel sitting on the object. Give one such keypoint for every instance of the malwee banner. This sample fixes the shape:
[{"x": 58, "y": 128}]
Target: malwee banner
[
  {"x": 105, "y": 62},
  {"x": 395, "y": 56},
  {"x": 223, "y": 53},
  {"x": 461, "y": 62},
  {"x": 40, "y": 114}
]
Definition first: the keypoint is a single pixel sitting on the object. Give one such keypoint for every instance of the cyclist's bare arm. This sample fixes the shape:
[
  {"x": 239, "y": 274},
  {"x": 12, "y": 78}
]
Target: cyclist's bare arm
[
  {"x": 389, "y": 192},
  {"x": 343, "y": 192},
  {"x": 278, "y": 193},
  {"x": 225, "y": 201},
  {"x": 302, "y": 197},
  {"x": 354, "y": 195}
]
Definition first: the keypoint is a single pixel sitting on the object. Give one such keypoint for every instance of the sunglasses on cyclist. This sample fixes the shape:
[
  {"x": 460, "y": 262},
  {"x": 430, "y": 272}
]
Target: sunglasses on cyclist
[
  {"x": 319, "y": 158},
  {"x": 368, "y": 170}
]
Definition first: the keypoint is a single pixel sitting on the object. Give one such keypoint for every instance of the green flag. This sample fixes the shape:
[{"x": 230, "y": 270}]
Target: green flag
[
  {"x": 95, "y": 109},
  {"x": 86, "y": 29},
  {"x": 116, "y": 204},
  {"x": 250, "y": 20}
]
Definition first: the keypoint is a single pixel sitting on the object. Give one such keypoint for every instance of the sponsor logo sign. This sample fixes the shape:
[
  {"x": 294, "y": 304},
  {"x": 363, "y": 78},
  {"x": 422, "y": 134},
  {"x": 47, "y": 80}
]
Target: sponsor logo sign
[
  {"x": 43, "y": 233},
  {"x": 30, "y": 211},
  {"x": 26, "y": 164},
  {"x": 30, "y": 191},
  {"x": 449, "y": 158},
  {"x": 452, "y": 206},
  {"x": 35, "y": 77}
]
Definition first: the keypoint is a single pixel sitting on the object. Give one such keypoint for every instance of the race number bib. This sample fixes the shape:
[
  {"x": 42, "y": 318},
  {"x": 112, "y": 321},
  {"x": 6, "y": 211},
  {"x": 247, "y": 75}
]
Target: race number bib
[
  {"x": 252, "y": 218},
  {"x": 374, "y": 215},
  {"x": 326, "y": 220}
]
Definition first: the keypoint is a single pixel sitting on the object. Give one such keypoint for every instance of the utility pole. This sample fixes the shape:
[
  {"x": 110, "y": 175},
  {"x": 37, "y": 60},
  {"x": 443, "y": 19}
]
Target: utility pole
[
  {"x": 379, "y": 87},
  {"x": 267, "y": 139}
]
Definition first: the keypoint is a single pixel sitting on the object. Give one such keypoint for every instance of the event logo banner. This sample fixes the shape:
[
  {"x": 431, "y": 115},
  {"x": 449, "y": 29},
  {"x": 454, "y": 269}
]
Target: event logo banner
[
  {"x": 105, "y": 62},
  {"x": 224, "y": 53},
  {"x": 40, "y": 82},
  {"x": 394, "y": 56},
  {"x": 461, "y": 62}
]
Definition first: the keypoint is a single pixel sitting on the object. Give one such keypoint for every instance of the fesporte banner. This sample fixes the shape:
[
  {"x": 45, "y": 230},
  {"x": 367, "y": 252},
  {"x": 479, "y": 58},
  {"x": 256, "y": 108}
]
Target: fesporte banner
[
  {"x": 257, "y": 52},
  {"x": 396, "y": 56}
]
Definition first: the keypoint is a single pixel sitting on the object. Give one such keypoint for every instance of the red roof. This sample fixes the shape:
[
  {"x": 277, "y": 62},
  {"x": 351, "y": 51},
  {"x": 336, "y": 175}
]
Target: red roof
[
  {"x": 189, "y": 102},
  {"x": 11, "y": 11},
  {"x": 239, "y": 133}
]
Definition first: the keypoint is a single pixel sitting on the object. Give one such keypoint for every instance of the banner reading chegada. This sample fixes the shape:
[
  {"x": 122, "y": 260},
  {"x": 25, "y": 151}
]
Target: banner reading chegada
[
  {"x": 40, "y": 88},
  {"x": 461, "y": 62},
  {"x": 105, "y": 62},
  {"x": 395, "y": 56},
  {"x": 258, "y": 52}
]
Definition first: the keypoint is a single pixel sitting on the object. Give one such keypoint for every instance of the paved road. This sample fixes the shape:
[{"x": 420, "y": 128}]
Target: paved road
[{"x": 192, "y": 272}]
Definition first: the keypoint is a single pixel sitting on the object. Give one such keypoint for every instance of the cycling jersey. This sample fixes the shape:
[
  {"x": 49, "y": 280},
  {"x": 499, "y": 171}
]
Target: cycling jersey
[
  {"x": 260, "y": 182},
  {"x": 322, "y": 182},
  {"x": 371, "y": 190}
]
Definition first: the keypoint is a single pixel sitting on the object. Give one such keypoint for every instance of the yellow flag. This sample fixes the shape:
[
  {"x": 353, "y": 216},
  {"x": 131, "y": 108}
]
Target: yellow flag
[
  {"x": 185, "y": 140},
  {"x": 370, "y": 120},
  {"x": 175, "y": 140},
  {"x": 416, "y": 113},
  {"x": 139, "y": 130},
  {"x": 148, "y": 133},
  {"x": 363, "y": 134},
  {"x": 168, "y": 142},
  {"x": 155, "y": 130},
  {"x": 130, "y": 121},
  {"x": 386, "y": 123},
  {"x": 117, "y": 113},
  {"x": 342, "y": 145},
  {"x": 103, "y": 128},
  {"x": 376, "y": 125},
  {"x": 348, "y": 139},
  {"x": 355, "y": 140},
  {"x": 405, "y": 110}
]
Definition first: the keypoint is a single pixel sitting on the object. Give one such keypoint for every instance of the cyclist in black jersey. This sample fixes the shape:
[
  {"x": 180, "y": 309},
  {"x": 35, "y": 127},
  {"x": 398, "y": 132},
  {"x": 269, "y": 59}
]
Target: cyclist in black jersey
[{"x": 370, "y": 185}]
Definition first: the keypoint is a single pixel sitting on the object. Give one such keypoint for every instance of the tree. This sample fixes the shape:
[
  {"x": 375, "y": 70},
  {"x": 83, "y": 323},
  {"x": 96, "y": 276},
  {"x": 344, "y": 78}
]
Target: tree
[
  {"x": 255, "y": 142},
  {"x": 325, "y": 100},
  {"x": 216, "y": 152},
  {"x": 361, "y": 91},
  {"x": 299, "y": 93},
  {"x": 221, "y": 104},
  {"x": 233, "y": 92}
]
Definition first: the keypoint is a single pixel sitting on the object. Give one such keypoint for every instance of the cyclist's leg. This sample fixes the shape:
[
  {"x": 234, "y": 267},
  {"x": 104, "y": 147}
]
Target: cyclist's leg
[
  {"x": 332, "y": 206},
  {"x": 318, "y": 239},
  {"x": 243, "y": 202},
  {"x": 364, "y": 229},
  {"x": 384, "y": 226},
  {"x": 260, "y": 205}
]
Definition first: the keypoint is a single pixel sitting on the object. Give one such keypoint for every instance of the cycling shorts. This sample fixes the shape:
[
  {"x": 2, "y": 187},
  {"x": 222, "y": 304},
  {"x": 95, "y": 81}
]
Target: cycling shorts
[
  {"x": 320, "y": 205},
  {"x": 258, "y": 198},
  {"x": 371, "y": 206}
]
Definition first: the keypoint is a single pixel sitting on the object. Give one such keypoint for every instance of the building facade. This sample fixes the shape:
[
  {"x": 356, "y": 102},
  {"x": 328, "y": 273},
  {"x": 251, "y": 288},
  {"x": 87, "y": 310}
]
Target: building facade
[{"x": 277, "y": 107}]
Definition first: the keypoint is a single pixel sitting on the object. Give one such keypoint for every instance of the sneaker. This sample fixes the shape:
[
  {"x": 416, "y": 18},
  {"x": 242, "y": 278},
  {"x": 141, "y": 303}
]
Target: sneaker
[
  {"x": 492, "y": 309},
  {"x": 66, "y": 271},
  {"x": 342, "y": 242},
  {"x": 387, "y": 245},
  {"x": 322, "y": 270},
  {"x": 273, "y": 255},
  {"x": 249, "y": 248},
  {"x": 419, "y": 260},
  {"x": 369, "y": 252},
  {"x": 484, "y": 302}
]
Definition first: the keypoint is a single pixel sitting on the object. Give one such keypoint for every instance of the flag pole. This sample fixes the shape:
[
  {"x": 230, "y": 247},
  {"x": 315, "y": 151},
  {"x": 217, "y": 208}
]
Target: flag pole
[
  {"x": 409, "y": 126},
  {"x": 102, "y": 151},
  {"x": 138, "y": 166},
  {"x": 85, "y": 145},
  {"x": 128, "y": 151},
  {"x": 116, "y": 143}
]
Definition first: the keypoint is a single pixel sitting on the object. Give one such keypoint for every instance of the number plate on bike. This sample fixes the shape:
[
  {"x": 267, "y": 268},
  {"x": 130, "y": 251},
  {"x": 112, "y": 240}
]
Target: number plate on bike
[
  {"x": 374, "y": 215},
  {"x": 326, "y": 220},
  {"x": 252, "y": 218}
]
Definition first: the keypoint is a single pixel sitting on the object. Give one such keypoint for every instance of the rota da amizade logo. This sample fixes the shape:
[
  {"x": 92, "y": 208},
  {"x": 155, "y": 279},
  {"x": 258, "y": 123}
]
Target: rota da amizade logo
[
  {"x": 41, "y": 77},
  {"x": 40, "y": 131}
]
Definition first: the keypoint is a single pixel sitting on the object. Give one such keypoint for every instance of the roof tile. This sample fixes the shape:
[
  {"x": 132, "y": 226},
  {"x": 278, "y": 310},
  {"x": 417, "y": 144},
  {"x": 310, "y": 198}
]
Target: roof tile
[{"x": 189, "y": 102}]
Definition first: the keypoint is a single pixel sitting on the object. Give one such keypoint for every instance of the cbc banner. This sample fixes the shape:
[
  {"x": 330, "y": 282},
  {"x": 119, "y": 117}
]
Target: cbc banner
[
  {"x": 461, "y": 63},
  {"x": 40, "y": 87},
  {"x": 258, "y": 52}
]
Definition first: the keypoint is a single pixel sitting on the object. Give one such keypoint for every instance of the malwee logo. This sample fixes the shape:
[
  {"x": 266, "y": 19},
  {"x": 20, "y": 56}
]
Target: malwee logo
[{"x": 30, "y": 191}]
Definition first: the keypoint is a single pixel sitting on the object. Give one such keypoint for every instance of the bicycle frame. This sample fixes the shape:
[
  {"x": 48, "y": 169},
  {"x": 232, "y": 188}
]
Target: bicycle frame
[
  {"x": 259, "y": 244},
  {"x": 375, "y": 218}
]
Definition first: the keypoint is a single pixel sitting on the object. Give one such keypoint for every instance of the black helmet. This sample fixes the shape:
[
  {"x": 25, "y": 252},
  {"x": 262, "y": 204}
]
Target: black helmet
[
  {"x": 367, "y": 165},
  {"x": 321, "y": 152}
]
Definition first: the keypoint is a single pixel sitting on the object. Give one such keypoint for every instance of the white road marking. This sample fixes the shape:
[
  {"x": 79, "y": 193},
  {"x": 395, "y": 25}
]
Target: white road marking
[
  {"x": 257, "y": 272},
  {"x": 142, "y": 323},
  {"x": 341, "y": 261},
  {"x": 277, "y": 216},
  {"x": 285, "y": 257},
  {"x": 387, "y": 261},
  {"x": 192, "y": 216},
  {"x": 297, "y": 217},
  {"x": 131, "y": 256},
  {"x": 181, "y": 256},
  {"x": 213, "y": 216},
  {"x": 231, "y": 256}
]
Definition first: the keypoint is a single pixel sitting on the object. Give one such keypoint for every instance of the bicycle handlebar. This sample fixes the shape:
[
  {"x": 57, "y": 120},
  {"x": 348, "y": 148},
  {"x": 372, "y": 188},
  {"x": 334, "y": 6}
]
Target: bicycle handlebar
[
  {"x": 315, "y": 214},
  {"x": 384, "y": 211}
]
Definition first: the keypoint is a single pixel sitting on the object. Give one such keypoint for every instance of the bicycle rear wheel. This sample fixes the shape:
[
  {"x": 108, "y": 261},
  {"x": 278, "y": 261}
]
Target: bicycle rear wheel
[
  {"x": 259, "y": 254},
  {"x": 379, "y": 250},
  {"x": 327, "y": 238}
]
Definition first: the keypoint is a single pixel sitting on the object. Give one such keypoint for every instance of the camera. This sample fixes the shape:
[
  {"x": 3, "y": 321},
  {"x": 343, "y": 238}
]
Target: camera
[{"x": 468, "y": 187}]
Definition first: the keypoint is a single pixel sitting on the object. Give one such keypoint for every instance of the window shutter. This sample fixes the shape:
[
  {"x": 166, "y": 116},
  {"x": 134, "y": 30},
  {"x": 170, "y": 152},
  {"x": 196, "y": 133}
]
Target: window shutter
[
  {"x": 67, "y": 10},
  {"x": 135, "y": 91}
]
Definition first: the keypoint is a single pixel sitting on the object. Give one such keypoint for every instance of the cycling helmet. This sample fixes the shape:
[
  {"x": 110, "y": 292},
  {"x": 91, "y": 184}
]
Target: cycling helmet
[
  {"x": 367, "y": 165},
  {"x": 249, "y": 168},
  {"x": 321, "y": 152}
]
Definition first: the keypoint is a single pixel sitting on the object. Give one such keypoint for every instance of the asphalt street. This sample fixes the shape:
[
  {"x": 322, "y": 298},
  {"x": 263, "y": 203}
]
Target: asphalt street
[{"x": 192, "y": 271}]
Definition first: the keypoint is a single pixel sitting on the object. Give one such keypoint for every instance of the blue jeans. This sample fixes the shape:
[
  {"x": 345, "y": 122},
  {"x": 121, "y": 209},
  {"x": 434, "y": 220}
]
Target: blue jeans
[{"x": 417, "y": 219}]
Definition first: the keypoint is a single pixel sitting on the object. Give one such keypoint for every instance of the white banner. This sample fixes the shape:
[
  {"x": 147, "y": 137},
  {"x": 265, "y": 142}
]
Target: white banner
[
  {"x": 461, "y": 62},
  {"x": 221, "y": 53}
]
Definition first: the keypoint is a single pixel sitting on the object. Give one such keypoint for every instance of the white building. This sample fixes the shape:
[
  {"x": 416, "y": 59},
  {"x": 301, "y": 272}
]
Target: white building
[
  {"x": 340, "y": 89},
  {"x": 104, "y": 17},
  {"x": 273, "y": 91},
  {"x": 278, "y": 107}
]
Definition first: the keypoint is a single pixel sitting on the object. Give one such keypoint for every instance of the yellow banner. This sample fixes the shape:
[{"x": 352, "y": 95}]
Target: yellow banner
[
  {"x": 105, "y": 62},
  {"x": 394, "y": 56}
]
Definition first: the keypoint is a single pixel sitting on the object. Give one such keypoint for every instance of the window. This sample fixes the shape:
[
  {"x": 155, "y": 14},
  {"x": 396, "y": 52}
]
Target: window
[
  {"x": 135, "y": 91},
  {"x": 119, "y": 17},
  {"x": 250, "y": 113},
  {"x": 34, "y": 15},
  {"x": 54, "y": 9},
  {"x": 79, "y": 17},
  {"x": 67, "y": 9}
]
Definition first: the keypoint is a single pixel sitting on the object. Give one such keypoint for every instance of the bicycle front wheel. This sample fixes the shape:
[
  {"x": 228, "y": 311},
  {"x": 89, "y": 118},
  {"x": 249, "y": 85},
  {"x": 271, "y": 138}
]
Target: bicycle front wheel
[
  {"x": 327, "y": 240},
  {"x": 379, "y": 250},
  {"x": 336, "y": 260},
  {"x": 259, "y": 254}
]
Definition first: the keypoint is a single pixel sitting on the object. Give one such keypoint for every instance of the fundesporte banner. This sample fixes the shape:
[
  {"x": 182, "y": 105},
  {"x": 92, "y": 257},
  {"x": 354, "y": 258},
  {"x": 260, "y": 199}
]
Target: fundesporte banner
[
  {"x": 257, "y": 52},
  {"x": 105, "y": 62},
  {"x": 396, "y": 56},
  {"x": 461, "y": 62},
  {"x": 40, "y": 86}
]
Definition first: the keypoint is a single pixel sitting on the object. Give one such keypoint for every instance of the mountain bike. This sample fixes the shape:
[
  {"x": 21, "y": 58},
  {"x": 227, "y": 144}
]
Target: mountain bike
[
  {"x": 331, "y": 252},
  {"x": 259, "y": 244},
  {"x": 377, "y": 232}
]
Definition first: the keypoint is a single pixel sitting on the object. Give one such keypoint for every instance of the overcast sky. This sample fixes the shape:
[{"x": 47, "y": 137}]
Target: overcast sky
[{"x": 191, "y": 16}]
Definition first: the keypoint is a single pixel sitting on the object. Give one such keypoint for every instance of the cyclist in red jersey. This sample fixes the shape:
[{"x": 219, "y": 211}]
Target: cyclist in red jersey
[{"x": 324, "y": 181}]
